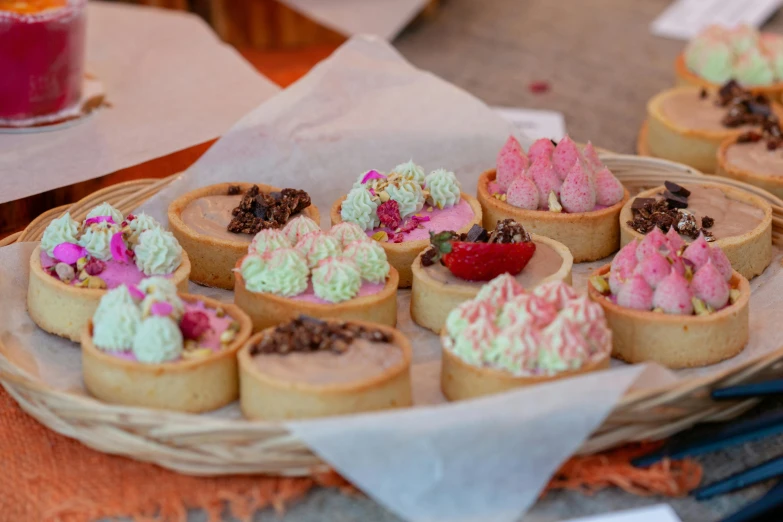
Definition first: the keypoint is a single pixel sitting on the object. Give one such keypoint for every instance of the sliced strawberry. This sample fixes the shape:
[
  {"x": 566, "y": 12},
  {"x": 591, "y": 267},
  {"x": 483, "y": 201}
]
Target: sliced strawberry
[{"x": 485, "y": 261}]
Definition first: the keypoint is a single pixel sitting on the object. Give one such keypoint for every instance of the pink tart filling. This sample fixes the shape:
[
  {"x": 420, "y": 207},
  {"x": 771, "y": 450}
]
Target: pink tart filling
[
  {"x": 366, "y": 289},
  {"x": 114, "y": 273},
  {"x": 209, "y": 339},
  {"x": 451, "y": 218}
]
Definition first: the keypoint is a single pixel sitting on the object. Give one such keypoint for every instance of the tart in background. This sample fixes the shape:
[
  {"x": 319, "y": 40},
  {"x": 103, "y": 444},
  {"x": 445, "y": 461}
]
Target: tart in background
[{"x": 755, "y": 157}]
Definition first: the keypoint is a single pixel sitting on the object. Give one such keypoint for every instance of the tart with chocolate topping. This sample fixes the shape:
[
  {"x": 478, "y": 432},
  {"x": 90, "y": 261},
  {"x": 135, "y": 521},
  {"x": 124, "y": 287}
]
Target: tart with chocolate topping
[
  {"x": 557, "y": 191},
  {"x": 688, "y": 124},
  {"x": 506, "y": 338},
  {"x": 215, "y": 224},
  {"x": 310, "y": 367},
  {"x": 149, "y": 346},
  {"x": 399, "y": 210},
  {"x": 738, "y": 222},
  {"x": 755, "y": 157},
  {"x": 456, "y": 266}
]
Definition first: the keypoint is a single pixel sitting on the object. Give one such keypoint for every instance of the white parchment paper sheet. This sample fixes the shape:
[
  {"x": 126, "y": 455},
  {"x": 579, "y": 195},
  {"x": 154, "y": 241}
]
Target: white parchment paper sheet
[{"x": 171, "y": 83}]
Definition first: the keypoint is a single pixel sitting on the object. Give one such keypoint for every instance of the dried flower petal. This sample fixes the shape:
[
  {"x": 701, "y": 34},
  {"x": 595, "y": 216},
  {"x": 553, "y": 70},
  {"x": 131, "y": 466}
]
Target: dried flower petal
[
  {"x": 194, "y": 324},
  {"x": 135, "y": 292},
  {"x": 118, "y": 249},
  {"x": 372, "y": 174},
  {"x": 69, "y": 253},
  {"x": 98, "y": 219},
  {"x": 161, "y": 308}
]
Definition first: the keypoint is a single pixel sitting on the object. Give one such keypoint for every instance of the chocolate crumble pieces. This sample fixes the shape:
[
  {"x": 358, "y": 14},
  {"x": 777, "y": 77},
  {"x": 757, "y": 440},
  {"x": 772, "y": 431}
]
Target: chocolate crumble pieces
[
  {"x": 308, "y": 334},
  {"x": 509, "y": 231},
  {"x": 258, "y": 210},
  {"x": 667, "y": 212},
  {"x": 707, "y": 222},
  {"x": 506, "y": 231},
  {"x": 745, "y": 108}
]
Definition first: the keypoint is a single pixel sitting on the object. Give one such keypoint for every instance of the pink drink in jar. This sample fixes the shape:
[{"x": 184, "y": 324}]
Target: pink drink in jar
[{"x": 41, "y": 56}]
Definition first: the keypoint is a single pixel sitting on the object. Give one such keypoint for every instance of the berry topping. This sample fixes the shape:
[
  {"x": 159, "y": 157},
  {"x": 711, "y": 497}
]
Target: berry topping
[
  {"x": 194, "y": 324},
  {"x": 389, "y": 214}
]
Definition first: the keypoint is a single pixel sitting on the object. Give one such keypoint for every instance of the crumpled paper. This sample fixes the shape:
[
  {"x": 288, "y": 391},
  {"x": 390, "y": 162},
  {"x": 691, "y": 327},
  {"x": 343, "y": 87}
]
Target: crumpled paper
[
  {"x": 171, "y": 84},
  {"x": 480, "y": 460}
]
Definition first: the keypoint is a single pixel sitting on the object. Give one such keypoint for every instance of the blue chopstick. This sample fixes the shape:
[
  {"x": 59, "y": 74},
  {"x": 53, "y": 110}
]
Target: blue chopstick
[
  {"x": 765, "y": 471},
  {"x": 773, "y": 500},
  {"x": 744, "y": 391}
]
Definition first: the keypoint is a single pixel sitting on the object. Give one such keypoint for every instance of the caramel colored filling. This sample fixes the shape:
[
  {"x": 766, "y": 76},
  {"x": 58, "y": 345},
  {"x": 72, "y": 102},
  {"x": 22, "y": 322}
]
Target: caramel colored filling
[
  {"x": 689, "y": 110},
  {"x": 756, "y": 158},
  {"x": 362, "y": 360},
  {"x": 211, "y": 215},
  {"x": 732, "y": 217}
]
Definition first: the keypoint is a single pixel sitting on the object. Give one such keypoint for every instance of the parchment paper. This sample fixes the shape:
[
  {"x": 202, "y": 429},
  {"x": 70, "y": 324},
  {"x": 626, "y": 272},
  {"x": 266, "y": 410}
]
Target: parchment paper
[
  {"x": 171, "y": 84},
  {"x": 482, "y": 460},
  {"x": 384, "y": 18}
]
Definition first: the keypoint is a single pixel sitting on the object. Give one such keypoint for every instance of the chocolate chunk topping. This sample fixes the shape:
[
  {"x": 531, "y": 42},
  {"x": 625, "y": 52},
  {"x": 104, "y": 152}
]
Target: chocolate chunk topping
[
  {"x": 308, "y": 334},
  {"x": 258, "y": 210},
  {"x": 553, "y": 142},
  {"x": 233, "y": 190},
  {"x": 746, "y": 109},
  {"x": 675, "y": 200},
  {"x": 707, "y": 222},
  {"x": 509, "y": 231},
  {"x": 477, "y": 234},
  {"x": 665, "y": 213},
  {"x": 640, "y": 203},
  {"x": 749, "y": 137},
  {"x": 676, "y": 189}
]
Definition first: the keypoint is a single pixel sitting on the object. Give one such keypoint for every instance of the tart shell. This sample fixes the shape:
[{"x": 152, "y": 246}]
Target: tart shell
[
  {"x": 266, "y": 310},
  {"x": 588, "y": 235},
  {"x": 402, "y": 255},
  {"x": 432, "y": 300},
  {"x": 214, "y": 258},
  {"x": 772, "y": 184},
  {"x": 265, "y": 397},
  {"x": 677, "y": 341},
  {"x": 190, "y": 385},
  {"x": 460, "y": 380},
  {"x": 687, "y": 77},
  {"x": 750, "y": 253},
  {"x": 63, "y": 309}
]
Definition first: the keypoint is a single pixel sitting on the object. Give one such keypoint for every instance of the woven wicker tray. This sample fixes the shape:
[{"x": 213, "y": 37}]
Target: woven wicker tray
[{"x": 203, "y": 445}]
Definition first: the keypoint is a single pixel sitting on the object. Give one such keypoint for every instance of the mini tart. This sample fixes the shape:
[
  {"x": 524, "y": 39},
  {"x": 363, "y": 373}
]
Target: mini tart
[
  {"x": 694, "y": 147},
  {"x": 750, "y": 253},
  {"x": 588, "y": 235},
  {"x": 214, "y": 258},
  {"x": 772, "y": 184},
  {"x": 263, "y": 396},
  {"x": 193, "y": 385},
  {"x": 677, "y": 341},
  {"x": 402, "y": 255},
  {"x": 432, "y": 300},
  {"x": 460, "y": 380},
  {"x": 266, "y": 309},
  {"x": 63, "y": 309},
  {"x": 685, "y": 76}
]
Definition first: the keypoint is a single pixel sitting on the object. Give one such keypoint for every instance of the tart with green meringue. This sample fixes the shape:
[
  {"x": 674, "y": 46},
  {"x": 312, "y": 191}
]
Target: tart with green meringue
[
  {"x": 77, "y": 261},
  {"x": 399, "y": 210},
  {"x": 506, "y": 338},
  {"x": 149, "y": 346},
  {"x": 339, "y": 274}
]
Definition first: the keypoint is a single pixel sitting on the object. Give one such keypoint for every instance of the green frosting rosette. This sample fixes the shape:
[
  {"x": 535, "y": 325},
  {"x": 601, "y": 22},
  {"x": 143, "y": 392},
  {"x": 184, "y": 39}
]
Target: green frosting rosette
[
  {"x": 515, "y": 348},
  {"x": 407, "y": 194},
  {"x": 287, "y": 272},
  {"x": 64, "y": 229},
  {"x": 267, "y": 240},
  {"x": 157, "y": 252},
  {"x": 115, "y": 323},
  {"x": 410, "y": 171},
  {"x": 97, "y": 239},
  {"x": 370, "y": 258},
  {"x": 359, "y": 207},
  {"x": 346, "y": 233},
  {"x": 141, "y": 223},
  {"x": 336, "y": 280},
  {"x": 104, "y": 209},
  {"x": 112, "y": 299},
  {"x": 254, "y": 273},
  {"x": 158, "y": 339},
  {"x": 469, "y": 345},
  {"x": 444, "y": 188},
  {"x": 316, "y": 246},
  {"x": 298, "y": 227},
  {"x": 753, "y": 68}
]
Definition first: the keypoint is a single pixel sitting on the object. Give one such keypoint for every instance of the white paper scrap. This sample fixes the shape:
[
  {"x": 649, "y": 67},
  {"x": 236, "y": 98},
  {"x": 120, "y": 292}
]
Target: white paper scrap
[
  {"x": 535, "y": 123},
  {"x": 659, "y": 513},
  {"x": 684, "y": 19},
  {"x": 484, "y": 460}
]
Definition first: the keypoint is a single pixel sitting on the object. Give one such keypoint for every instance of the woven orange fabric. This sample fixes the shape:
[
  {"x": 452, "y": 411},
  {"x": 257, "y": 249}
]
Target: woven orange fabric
[{"x": 47, "y": 477}]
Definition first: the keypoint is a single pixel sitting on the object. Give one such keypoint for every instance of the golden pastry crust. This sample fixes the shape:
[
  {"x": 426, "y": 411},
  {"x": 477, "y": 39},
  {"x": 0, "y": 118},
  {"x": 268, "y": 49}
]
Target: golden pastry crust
[
  {"x": 265, "y": 397},
  {"x": 750, "y": 253},
  {"x": 401, "y": 255},
  {"x": 213, "y": 258},
  {"x": 588, "y": 235},
  {"x": 266, "y": 310},
  {"x": 772, "y": 184},
  {"x": 686, "y": 77},
  {"x": 195, "y": 385},
  {"x": 460, "y": 380},
  {"x": 694, "y": 147},
  {"x": 677, "y": 341},
  {"x": 63, "y": 309},
  {"x": 432, "y": 300}
]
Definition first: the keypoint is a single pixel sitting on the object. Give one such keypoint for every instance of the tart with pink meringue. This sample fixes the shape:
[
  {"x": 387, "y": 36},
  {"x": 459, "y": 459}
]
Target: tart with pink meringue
[
  {"x": 719, "y": 54},
  {"x": 77, "y": 262},
  {"x": 148, "y": 346},
  {"x": 738, "y": 222},
  {"x": 215, "y": 224},
  {"x": 340, "y": 273},
  {"x": 437, "y": 290},
  {"x": 556, "y": 191},
  {"x": 310, "y": 367},
  {"x": 506, "y": 338},
  {"x": 399, "y": 210},
  {"x": 675, "y": 304}
]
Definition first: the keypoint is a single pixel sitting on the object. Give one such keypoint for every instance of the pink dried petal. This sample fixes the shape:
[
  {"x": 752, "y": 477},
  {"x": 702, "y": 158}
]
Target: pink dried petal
[
  {"x": 409, "y": 225},
  {"x": 118, "y": 249},
  {"x": 99, "y": 219},
  {"x": 130, "y": 217},
  {"x": 47, "y": 261},
  {"x": 94, "y": 266},
  {"x": 372, "y": 192},
  {"x": 194, "y": 324},
  {"x": 389, "y": 214},
  {"x": 421, "y": 219},
  {"x": 161, "y": 308},
  {"x": 372, "y": 174},
  {"x": 539, "y": 87},
  {"x": 69, "y": 252},
  {"x": 135, "y": 292}
]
